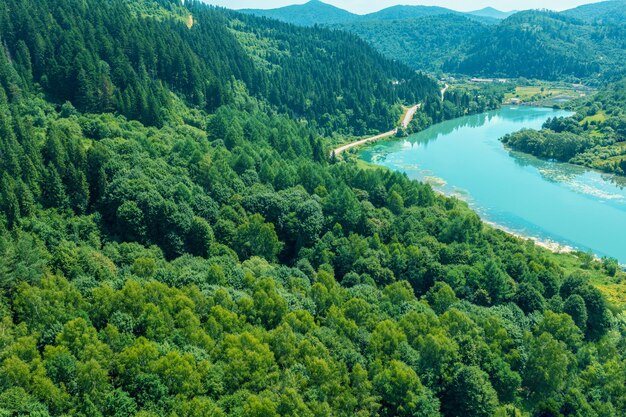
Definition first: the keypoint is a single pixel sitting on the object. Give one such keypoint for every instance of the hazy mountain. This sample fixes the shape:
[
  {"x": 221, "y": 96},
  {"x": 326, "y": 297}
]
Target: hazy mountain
[
  {"x": 587, "y": 42},
  {"x": 613, "y": 12},
  {"x": 407, "y": 12},
  {"x": 316, "y": 12},
  {"x": 532, "y": 44},
  {"x": 308, "y": 14},
  {"x": 492, "y": 13}
]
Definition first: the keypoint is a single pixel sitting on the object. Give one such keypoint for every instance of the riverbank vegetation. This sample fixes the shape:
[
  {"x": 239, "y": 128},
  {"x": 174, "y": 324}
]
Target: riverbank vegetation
[
  {"x": 461, "y": 99},
  {"x": 199, "y": 255},
  {"x": 594, "y": 137}
]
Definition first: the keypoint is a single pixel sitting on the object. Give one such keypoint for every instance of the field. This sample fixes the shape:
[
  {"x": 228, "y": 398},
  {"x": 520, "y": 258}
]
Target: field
[
  {"x": 546, "y": 94},
  {"x": 613, "y": 288},
  {"x": 599, "y": 117}
]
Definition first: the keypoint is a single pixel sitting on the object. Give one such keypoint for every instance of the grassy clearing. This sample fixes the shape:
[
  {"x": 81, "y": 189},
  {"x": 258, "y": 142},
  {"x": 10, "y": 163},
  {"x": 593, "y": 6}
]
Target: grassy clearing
[
  {"x": 544, "y": 93},
  {"x": 599, "y": 117},
  {"x": 613, "y": 288}
]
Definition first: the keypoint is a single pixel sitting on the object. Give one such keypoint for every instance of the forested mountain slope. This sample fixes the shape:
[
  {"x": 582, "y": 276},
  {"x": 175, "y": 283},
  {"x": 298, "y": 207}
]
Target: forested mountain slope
[
  {"x": 425, "y": 43},
  {"x": 493, "y": 13},
  {"x": 320, "y": 13},
  {"x": 587, "y": 43},
  {"x": 395, "y": 13},
  {"x": 311, "y": 13},
  {"x": 548, "y": 46},
  {"x": 600, "y": 13},
  {"x": 217, "y": 264},
  {"x": 533, "y": 44},
  {"x": 316, "y": 12},
  {"x": 105, "y": 58}
]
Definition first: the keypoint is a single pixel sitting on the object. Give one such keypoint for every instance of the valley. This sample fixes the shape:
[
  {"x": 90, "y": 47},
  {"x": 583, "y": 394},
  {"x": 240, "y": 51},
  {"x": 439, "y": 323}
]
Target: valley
[
  {"x": 584, "y": 44},
  {"x": 178, "y": 237}
]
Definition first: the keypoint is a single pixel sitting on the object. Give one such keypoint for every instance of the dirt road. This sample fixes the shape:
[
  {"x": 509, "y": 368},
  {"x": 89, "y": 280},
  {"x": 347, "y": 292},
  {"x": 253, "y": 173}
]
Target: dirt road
[{"x": 408, "y": 116}]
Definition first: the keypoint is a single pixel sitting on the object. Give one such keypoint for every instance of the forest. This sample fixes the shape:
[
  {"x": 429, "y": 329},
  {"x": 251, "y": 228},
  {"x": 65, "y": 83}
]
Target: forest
[
  {"x": 548, "y": 46},
  {"x": 585, "y": 45},
  {"x": 105, "y": 59},
  {"x": 176, "y": 243},
  {"x": 424, "y": 43},
  {"x": 594, "y": 137}
]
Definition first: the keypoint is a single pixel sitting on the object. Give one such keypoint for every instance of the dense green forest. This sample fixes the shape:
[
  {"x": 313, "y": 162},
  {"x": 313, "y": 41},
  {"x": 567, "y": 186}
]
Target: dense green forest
[
  {"x": 175, "y": 242},
  {"x": 426, "y": 43},
  {"x": 103, "y": 59},
  {"x": 548, "y": 46},
  {"x": 603, "y": 12},
  {"x": 594, "y": 137},
  {"x": 311, "y": 13},
  {"x": 583, "y": 44},
  {"x": 316, "y": 12},
  {"x": 532, "y": 44}
]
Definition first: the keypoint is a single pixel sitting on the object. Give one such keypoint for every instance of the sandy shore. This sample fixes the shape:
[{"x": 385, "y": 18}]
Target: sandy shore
[{"x": 546, "y": 244}]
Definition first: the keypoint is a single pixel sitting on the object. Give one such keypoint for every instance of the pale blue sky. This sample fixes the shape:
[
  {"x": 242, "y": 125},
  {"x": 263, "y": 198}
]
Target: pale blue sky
[{"x": 367, "y": 6}]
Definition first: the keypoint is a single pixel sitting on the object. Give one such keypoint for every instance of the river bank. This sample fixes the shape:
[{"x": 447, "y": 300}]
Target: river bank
[
  {"x": 561, "y": 207},
  {"x": 406, "y": 119},
  {"x": 550, "y": 245}
]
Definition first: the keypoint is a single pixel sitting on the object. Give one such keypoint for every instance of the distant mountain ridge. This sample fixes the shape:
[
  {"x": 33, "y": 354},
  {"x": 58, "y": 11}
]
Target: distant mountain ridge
[
  {"x": 320, "y": 13},
  {"x": 492, "y": 13},
  {"x": 308, "y": 14},
  {"x": 585, "y": 43},
  {"x": 604, "y": 12},
  {"x": 316, "y": 12}
]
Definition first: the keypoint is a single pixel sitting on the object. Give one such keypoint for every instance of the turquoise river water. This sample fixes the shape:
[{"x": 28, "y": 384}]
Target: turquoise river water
[{"x": 555, "y": 203}]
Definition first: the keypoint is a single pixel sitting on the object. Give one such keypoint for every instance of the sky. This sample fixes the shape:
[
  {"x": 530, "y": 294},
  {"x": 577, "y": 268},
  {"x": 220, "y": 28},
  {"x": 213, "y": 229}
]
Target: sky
[{"x": 368, "y": 6}]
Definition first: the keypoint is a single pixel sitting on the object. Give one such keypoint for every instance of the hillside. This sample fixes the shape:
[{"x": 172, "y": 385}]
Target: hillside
[
  {"x": 424, "y": 43},
  {"x": 311, "y": 13},
  {"x": 406, "y": 12},
  {"x": 547, "y": 46},
  {"x": 492, "y": 13},
  {"x": 535, "y": 45},
  {"x": 332, "y": 79},
  {"x": 583, "y": 44},
  {"x": 607, "y": 12},
  {"x": 174, "y": 240},
  {"x": 316, "y": 12}
]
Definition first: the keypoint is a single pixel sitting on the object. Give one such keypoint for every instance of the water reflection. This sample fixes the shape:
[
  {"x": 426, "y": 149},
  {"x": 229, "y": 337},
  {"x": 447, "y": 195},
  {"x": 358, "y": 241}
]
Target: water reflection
[{"x": 558, "y": 202}]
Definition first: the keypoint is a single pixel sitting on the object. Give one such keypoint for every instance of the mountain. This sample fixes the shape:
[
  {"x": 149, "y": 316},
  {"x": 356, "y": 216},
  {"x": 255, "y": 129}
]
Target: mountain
[
  {"x": 545, "y": 45},
  {"x": 585, "y": 43},
  {"x": 401, "y": 13},
  {"x": 177, "y": 240},
  {"x": 532, "y": 44},
  {"x": 424, "y": 43},
  {"x": 316, "y": 74},
  {"x": 308, "y": 14},
  {"x": 611, "y": 12},
  {"x": 316, "y": 12},
  {"x": 492, "y": 13},
  {"x": 406, "y": 12}
]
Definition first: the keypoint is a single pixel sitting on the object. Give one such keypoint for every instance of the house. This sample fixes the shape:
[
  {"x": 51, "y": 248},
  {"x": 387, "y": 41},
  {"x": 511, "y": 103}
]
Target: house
[{"x": 481, "y": 80}]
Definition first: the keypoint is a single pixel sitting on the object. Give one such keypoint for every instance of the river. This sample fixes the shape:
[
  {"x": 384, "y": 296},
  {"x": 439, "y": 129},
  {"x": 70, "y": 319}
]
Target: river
[{"x": 551, "y": 202}]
